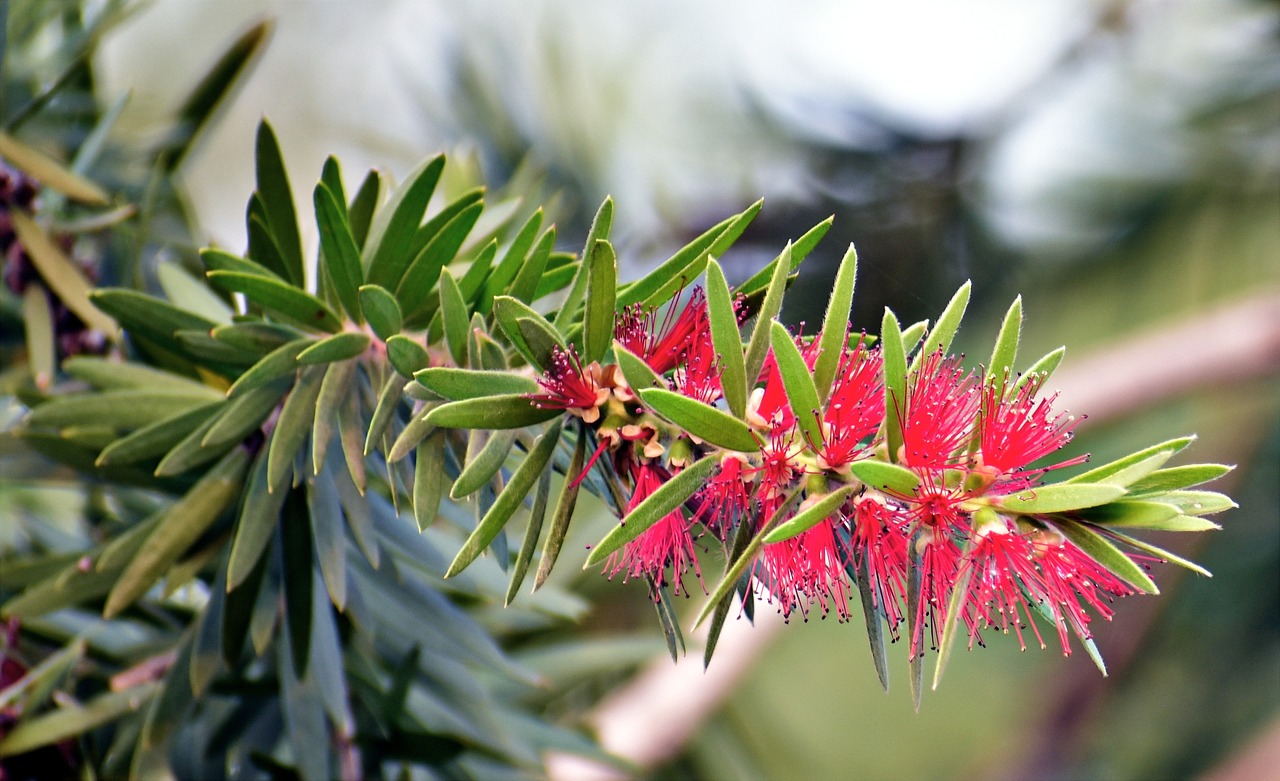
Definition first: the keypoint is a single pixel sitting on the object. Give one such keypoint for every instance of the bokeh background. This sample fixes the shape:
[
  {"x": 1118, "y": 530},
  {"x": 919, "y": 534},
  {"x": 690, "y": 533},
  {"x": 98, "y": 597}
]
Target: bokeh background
[{"x": 1116, "y": 163}]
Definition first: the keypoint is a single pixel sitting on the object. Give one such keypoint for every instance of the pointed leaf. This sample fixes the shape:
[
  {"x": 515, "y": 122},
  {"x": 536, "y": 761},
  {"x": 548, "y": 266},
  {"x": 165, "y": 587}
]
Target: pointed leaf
[
  {"x": 1100, "y": 550},
  {"x": 727, "y": 340},
  {"x": 293, "y": 427},
  {"x": 329, "y": 536},
  {"x": 244, "y": 414},
  {"x": 939, "y": 339},
  {"x": 528, "y": 331},
  {"x": 798, "y": 383},
  {"x": 338, "y": 250},
  {"x": 636, "y": 372},
  {"x": 68, "y": 722},
  {"x": 1197, "y": 502},
  {"x": 62, "y": 276},
  {"x": 602, "y": 291},
  {"x": 457, "y": 384},
  {"x": 563, "y": 513},
  {"x": 758, "y": 345},
  {"x": 669, "y": 496},
  {"x": 490, "y": 412},
  {"x": 512, "y": 260},
  {"x": 600, "y": 226},
  {"x": 191, "y": 294},
  {"x": 282, "y": 298},
  {"x": 734, "y": 573},
  {"x": 1041, "y": 368},
  {"x": 884, "y": 476},
  {"x": 220, "y": 260},
  {"x": 428, "y": 479},
  {"x": 407, "y": 357},
  {"x": 1005, "y": 352},
  {"x": 156, "y": 439},
  {"x": 810, "y": 516},
  {"x": 1177, "y": 477},
  {"x": 484, "y": 465},
  {"x": 259, "y": 516},
  {"x": 531, "y": 533},
  {"x": 895, "y": 382},
  {"x": 381, "y": 310},
  {"x": 387, "y": 251},
  {"x": 120, "y": 409},
  {"x": 874, "y": 622},
  {"x": 835, "y": 324},
  {"x": 1160, "y": 553},
  {"x": 277, "y": 200},
  {"x": 339, "y": 347},
  {"x": 425, "y": 269},
  {"x": 1120, "y": 470},
  {"x": 701, "y": 420},
  {"x": 51, "y": 173},
  {"x": 1059, "y": 498},
  {"x": 800, "y": 249},
  {"x": 280, "y": 362},
  {"x": 295, "y": 536},
  {"x": 527, "y": 280},
  {"x": 456, "y": 319}
]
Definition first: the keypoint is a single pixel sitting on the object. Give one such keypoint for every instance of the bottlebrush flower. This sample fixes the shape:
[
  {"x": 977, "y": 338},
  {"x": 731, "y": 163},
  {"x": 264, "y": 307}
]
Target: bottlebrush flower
[
  {"x": 1001, "y": 570},
  {"x": 570, "y": 386},
  {"x": 1068, "y": 577},
  {"x": 941, "y": 406},
  {"x": 805, "y": 569},
  {"x": 855, "y": 408},
  {"x": 665, "y": 544},
  {"x": 662, "y": 341},
  {"x": 879, "y": 543},
  {"x": 1016, "y": 429}
]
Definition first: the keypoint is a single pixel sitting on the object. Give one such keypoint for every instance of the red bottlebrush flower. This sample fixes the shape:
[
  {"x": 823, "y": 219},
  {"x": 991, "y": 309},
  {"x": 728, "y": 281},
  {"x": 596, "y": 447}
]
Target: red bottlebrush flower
[
  {"x": 725, "y": 499},
  {"x": 805, "y": 569},
  {"x": 665, "y": 544},
  {"x": 854, "y": 410},
  {"x": 941, "y": 405},
  {"x": 939, "y": 565},
  {"x": 662, "y": 342},
  {"x": 570, "y": 386},
  {"x": 769, "y": 406},
  {"x": 879, "y": 543},
  {"x": 778, "y": 469},
  {"x": 1016, "y": 429},
  {"x": 1002, "y": 569},
  {"x": 1068, "y": 576}
]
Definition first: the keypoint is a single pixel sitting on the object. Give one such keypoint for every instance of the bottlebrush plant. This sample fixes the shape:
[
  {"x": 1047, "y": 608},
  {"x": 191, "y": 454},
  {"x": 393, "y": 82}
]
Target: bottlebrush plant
[{"x": 311, "y": 425}]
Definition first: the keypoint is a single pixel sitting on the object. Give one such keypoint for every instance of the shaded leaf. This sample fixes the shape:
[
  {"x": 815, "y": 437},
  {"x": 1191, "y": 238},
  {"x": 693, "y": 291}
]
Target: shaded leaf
[
  {"x": 338, "y": 250},
  {"x": 64, "y": 278},
  {"x": 381, "y": 310},
  {"x": 479, "y": 469},
  {"x": 457, "y": 384},
  {"x": 277, "y": 202}
]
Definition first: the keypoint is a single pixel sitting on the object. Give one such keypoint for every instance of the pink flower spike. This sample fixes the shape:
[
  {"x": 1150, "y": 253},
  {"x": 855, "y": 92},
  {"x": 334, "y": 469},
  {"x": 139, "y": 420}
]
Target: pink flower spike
[
  {"x": 854, "y": 410},
  {"x": 570, "y": 386},
  {"x": 939, "y": 564},
  {"x": 1002, "y": 571},
  {"x": 665, "y": 544},
  {"x": 879, "y": 547},
  {"x": 1069, "y": 576},
  {"x": 662, "y": 342},
  {"x": 1016, "y": 429},
  {"x": 806, "y": 569},
  {"x": 941, "y": 406}
]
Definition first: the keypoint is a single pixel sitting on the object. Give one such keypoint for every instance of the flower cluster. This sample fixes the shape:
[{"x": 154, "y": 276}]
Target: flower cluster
[{"x": 964, "y": 442}]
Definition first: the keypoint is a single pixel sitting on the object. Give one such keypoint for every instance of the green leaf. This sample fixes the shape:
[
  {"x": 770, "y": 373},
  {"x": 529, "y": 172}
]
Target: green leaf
[
  {"x": 262, "y": 245},
  {"x": 387, "y": 250},
  {"x": 120, "y": 409},
  {"x": 50, "y": 173},
  {"x": 741, "y": 539},
  {"x": 277, "y": 200},
  {"x": 156, "y": 439},
  {"x": 425, "y": 269},
  {"x": 360, "y": 213},
  {"x": 416, "y": 430},
  {"x": 456, "y": 384},
  {"x": 600, "y": 226},
  {"x": 486, "y": 463},
  {"x": 636, "y": 372},
  {"x": 244, "y": 414},
  {"x": 335, "y": 386},
  {"x": 280, "y": 362},
  {"x": 381, "y": 310},
  {"x": 1147, "y": 547},
  {"x": 456, "y": 319},
  {"x": 33, "y": 689},
  {"x": 915, "y": 576},
  {"x": 800, "y": 249},
  {"x": 329, "y": 535},
  {"x": 874, "y": 622},
  {"x": 1005, "y": 352},
  {"x": 884, "y": 476},
  {"x": 383, "y": 411},
  {"x": 63, "y": 277},
  {"x": 534, "y": 338},
  {"x": 256, "y": 338},
  {"x": 490, "y": 412},
  {"x": 428, "y": 479},
  {"x": 835, "y": 324},
  {"x": 1198, "y": 502},
  {"x": 407, "y": 357},
  {"x": 1041, "y": 368},
  {"x": 472, "y": 283},
  {"x": 339, "y": 347},
  {"x": 512, "y": 260},
  {"x": 259, "y": 515},
  {"x": 602, "y": 290},
  {"x": 563, "y": 514},
  {"x": 1100, "y": 550},
  {"x": 71, "y": 721},
  {"x": 701, "y": 420},
  {"x": 527, "y": 280},
  {"x": 727, "y": 340},
  {"x": 810, "y": 516},
  {"x": 220, "y": 260},
  {"x": 181, "y": 525},
  {"x": 293, "y": 427},
  {"x": 797, "y": 381},
  {"x": 338, "y": 249},
  {"x": 109, "y": 374},
  {"x": 895, "y": 382},
  {"x": 1059, "y": 498},
  {"x": 758, "y": 344},
  {"x": 282, "y": 298},
  {"x": 669, "y": 496},
  {"x": 1177, "y": 477},
  {"x": 191, "y": 294},
  {"x": 511, "y": 498},
  {"x": 1119, "y": 471},
  {"x": 531, "y": 533},
  {"x": 939, "y": 339},
  {"x": 1138, "y": 514}
]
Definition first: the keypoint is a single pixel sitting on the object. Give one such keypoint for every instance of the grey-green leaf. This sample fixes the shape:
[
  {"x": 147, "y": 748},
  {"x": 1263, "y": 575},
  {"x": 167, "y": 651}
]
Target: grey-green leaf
[
  {"x": 669, "y": 496},
  {"x": 701, "y": 420}
]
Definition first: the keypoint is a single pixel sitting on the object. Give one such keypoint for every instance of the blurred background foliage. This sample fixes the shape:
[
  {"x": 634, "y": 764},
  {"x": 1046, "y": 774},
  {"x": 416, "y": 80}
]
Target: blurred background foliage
[{"x": 1117, "y": 163}]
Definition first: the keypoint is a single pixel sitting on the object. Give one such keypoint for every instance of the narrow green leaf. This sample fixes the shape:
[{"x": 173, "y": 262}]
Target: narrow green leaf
[
  {"x": 669, "y": 496},
  {"x": 284, "y": 299},
  {"x": 205, "y": 350},
  {"x": 33, "y": 689},
  {"x": 181, "y": 526},
  {"x": 293, "y": 427},
  {"x": 156, "y": 439},
  {"x": 1153, "y": 456},
  {"x": 239, "y": 608},
  {"x": 1198, "y": 502},
  {"x": 1005, "y": 352},
  {"x": 145, "y": 315},
  {"x": 884, "y": 476},
  {"x": 456, "y": 319},
  {"x": 1137, "y": 514},
  {"x": 221, "y": 260},
  {"x": 387, "y": 250},
  {"x": 530, "y": 274},
  {"x": 490, "y": 412},
  {"x": 507, "y": 502},
  {"x": 701, "y": 420},
  {"x": 758, "y": 344},
  {"x": 1147, "y": 547},
  {"x": 741, "y": 539},
  {"x": 477, "y": 472},
  {"x": 333, "y": 388},
  {"x": 50, "y": 173},
  {"x": 952, "y": 619},
  {"x": 72, "y": 721},
  {"x": 351, "y": 436},
  {"x": 478, "y": 268},
  {"x": 191, "y": 294},
  {"x": 262, "y": 245},
  {"x": 381, "y": 310},
  {"x": 800, "y": 249},
  {"x": 733, "y": 575},
  {"x": 407, "y": 356},
  {"x": 874, "y": 622},
  {"x": 835, "y": 324},
  {"x": 553, "y": 279},
  {"x": 428, "y": 479},
  {"x": 363, "y": 205},
  {"x": 120, "y": 409},
  {"x": 244, "y": 414},
  {"x": 1100, "y": 550},
  {"x": 727, "y": 340},
  {"x": 456, "y": 384},
  {"x": 915, "y": 662},
  {"x": 636, "y": 372},
  {"x": 277, "y": 199},
  {"x": 259, "y": 516},
  {"x": 110, "y": 374},
  {"x": 510, "y": 313},
  {"x": 810, "y": 516},
  {"x": 563, "y": 513},
  {"x": 256, "y": 338},
  {"x": 1060, "y": 498},
  {"x": 895, "y": 382},
  {"x": 797, "y": 381},
  {"x": 338, "y": 250},
  {"x": 667, "y": 619},
  {"x": 1177, "y": 477},
  {"x": 62, "y": 276},
  {"x": 939, "y": 339},
  {"x": 388, "y": 400},
  {"x": 329, "y": 535},
  {"x": 602, "y": 291},
  {"x": 600, "y": 226},
  {"x": 37, "y": 322},
  {"x": 339, "y": 347},
  {"x": 512, "y": 260},
  {"x": 416, "y": 430},
  {"x": 531, "y": 533},
  {"x": 1041, "y": 368},
  {"x": 280, "y": 362},
  {"x": 424, "y": 271}
]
